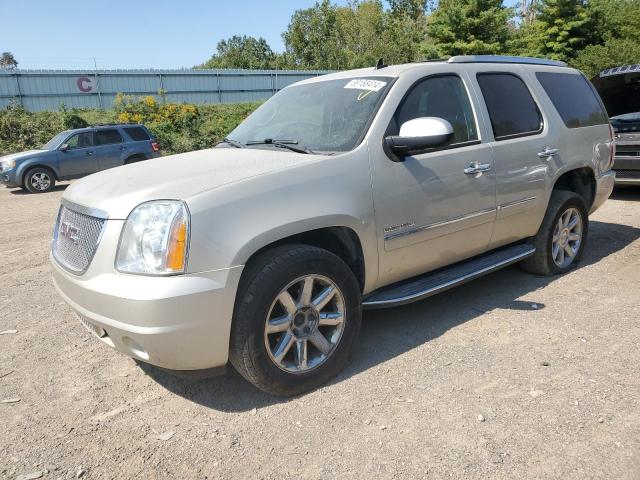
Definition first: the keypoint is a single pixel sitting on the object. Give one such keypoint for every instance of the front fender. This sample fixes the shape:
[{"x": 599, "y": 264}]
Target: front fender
[
  {"x": 233, "y": 222},
  {"x": 29, "y": 163}
]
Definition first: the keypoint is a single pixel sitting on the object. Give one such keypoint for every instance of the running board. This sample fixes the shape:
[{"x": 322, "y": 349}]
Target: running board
[{"x": 429, "y": 284}]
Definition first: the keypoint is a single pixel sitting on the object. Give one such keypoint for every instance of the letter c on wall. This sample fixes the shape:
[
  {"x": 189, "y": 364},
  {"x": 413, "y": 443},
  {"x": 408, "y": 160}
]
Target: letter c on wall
[{"x": 84, "y": 84}]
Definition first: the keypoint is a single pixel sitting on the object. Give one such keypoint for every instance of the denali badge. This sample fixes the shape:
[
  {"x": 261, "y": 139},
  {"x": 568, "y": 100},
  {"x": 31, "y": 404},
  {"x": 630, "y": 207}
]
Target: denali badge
[{"x": 69, "y": 232}]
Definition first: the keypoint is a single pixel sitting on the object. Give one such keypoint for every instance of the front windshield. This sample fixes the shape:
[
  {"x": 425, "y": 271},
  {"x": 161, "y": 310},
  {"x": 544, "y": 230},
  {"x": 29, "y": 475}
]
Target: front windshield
[
  {"x": 55, "y": 141},
  {"x": 629, "y": 122},
  {"x": 325, "y": 116}
]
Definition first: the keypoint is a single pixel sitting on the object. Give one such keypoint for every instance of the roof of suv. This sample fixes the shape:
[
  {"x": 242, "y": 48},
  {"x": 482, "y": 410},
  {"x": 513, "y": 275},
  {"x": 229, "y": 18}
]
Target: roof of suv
[
  {"x": 103, "y": 126},
  {"x": 397, "y": 70}
]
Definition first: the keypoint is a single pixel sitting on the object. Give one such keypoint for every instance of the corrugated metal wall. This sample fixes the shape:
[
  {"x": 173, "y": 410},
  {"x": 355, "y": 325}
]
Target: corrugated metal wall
[{"x": 48, "y": 89}]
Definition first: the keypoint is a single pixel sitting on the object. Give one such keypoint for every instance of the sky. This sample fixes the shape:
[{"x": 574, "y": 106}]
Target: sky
[{"x": 67, "y": 34}]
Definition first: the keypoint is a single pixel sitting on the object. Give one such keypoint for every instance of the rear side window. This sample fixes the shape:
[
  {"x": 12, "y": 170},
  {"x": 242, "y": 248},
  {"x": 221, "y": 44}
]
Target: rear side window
[
  {"x": 107, "y": 137},
  {"x": 442, "y": 96},
  {"x": 512, "y": 110},
  {"x": 573, "y": 98},
  {"x": 137, "y": 134}
]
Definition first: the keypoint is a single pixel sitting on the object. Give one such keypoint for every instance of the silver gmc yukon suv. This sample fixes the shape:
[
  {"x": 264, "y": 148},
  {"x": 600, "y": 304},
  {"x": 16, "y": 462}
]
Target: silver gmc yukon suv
[{"x": 362, "y": 189}]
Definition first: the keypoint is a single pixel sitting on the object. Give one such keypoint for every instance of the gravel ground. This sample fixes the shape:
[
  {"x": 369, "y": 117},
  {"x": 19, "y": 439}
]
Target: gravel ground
[{"x": 511, "y": 376}]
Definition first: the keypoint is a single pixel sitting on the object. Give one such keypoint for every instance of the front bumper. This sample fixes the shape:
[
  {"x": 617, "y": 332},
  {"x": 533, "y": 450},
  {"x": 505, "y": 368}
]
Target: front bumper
[
  {"x": 179, "y": 322},
  {"x": 9, "y": 178},
  {"x": 604, "y": 187}
]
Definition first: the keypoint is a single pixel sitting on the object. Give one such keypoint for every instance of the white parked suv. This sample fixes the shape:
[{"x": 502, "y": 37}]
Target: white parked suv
[{"x": 369, "y": 188}]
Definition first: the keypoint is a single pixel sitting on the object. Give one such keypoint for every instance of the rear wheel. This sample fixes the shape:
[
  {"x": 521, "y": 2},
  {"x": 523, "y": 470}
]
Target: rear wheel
[
  {"x": 296, "y": 320},
  {"x": 39, "y": 180},
  {"x": 562, "y": 236}
]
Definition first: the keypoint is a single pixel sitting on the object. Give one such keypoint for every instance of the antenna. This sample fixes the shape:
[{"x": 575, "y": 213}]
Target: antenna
[{"x": 380, "y": 64}]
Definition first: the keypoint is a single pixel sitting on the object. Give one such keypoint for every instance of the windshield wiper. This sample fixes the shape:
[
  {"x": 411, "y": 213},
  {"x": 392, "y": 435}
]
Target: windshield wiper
[
  {"x": 288, "y": 144},
  {"x": 233, "y": 143}
]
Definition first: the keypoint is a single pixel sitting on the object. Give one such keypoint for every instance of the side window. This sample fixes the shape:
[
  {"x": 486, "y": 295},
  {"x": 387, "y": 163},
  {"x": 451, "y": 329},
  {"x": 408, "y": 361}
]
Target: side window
[
  {"x": 80, "y": 140},
  {"x": 107, "y": 137},
  {"x": 573, "y": 98},
  {"x": 511, "y": 107},
  {"x": 442, "y": 96},
  {"x": 137, "y": 134}
]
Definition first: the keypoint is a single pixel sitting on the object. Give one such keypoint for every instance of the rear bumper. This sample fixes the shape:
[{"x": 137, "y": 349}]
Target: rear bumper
[
  {"x": 604, "y": 187},
  {"x": 179, "y": 323},
  {"x": 627, "y": 170}
]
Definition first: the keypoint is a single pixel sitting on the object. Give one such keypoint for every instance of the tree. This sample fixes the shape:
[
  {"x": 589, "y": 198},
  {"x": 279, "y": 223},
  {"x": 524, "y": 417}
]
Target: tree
[
  {"x": 465, "y": 27},
  {"x": 313, "y": 38},
  {"x": 242, "y": 52},
  {"x": 562, "y": 27},
  {"x": 8, "y": 61},
  {"x": 327, "y": 36},
  {"x": 617, "y": 36}
]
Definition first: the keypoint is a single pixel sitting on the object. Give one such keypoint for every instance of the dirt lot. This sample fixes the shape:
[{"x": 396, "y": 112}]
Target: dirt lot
[{"x": 511, "y": 376}]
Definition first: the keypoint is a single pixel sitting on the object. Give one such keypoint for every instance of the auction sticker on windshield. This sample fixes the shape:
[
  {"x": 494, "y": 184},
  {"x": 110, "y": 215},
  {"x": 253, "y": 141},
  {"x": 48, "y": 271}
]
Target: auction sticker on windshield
[{"x": 365, "y": 84}]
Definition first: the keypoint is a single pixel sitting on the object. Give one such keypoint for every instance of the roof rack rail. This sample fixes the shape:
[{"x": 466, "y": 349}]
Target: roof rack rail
[
  {"x": 111, "y": 124},
  {"x": 505, "y": 59}
]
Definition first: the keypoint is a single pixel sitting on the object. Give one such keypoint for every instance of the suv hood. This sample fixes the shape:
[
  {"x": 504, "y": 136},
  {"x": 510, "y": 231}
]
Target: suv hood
[
  {"x": 177, "y": 177},
  {"x": 619, "y": 89},
  {"x": 21, "y": 155}
]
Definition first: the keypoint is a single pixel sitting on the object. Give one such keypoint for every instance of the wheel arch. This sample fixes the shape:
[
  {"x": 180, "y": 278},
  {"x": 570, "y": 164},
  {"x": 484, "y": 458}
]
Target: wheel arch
[
  {"x": 30, "y": 166},
  {"x": 342, "y": 241},
  {"x": 581, "y": 180}
]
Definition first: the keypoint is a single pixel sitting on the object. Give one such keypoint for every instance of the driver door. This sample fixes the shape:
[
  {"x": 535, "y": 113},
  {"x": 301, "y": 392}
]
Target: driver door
[
  {"x": 431, "y": 209},
  {"x": 79, "y": 159}
]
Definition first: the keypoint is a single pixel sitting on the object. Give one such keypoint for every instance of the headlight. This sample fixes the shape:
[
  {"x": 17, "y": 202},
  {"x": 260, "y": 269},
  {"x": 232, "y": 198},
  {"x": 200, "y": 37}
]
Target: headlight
[
  {"x": 8, "y": 164},
  {"x": 155, "y": 239}
]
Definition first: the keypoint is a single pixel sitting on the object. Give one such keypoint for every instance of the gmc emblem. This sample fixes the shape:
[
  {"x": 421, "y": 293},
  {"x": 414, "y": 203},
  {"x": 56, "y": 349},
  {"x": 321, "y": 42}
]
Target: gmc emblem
[{"x": 69, "y": 232}]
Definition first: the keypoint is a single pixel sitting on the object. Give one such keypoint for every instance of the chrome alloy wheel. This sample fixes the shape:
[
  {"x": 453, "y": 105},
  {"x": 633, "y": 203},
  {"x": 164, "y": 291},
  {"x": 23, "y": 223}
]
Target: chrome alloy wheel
[
  {"x": 304, "y": 324},
  {"x": 567, "y": 237},
  {"x": 40, "y": 181}
]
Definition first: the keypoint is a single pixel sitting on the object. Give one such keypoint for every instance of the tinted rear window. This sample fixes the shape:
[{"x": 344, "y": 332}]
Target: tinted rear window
[
  {"x": 573, "y": 98},
  {"x": 512, "y": 110},
  {"x": 137, "y": 134},
  {"x": 106, "y": 137}
]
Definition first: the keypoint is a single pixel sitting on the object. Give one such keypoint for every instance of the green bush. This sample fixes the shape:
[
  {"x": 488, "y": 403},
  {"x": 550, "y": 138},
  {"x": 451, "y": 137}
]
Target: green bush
[{"x": 178, "y": 127}]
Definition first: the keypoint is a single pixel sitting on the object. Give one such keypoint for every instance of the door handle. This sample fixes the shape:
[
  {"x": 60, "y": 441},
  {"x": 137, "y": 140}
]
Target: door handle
[
  {"x": 89, "y": 153},
  {"x": 548, "y": 152},
  {"x": 476, "y": 167}
]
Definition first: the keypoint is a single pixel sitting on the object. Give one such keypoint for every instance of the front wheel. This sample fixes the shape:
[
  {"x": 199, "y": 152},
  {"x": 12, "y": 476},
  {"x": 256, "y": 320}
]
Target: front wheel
[
  {"x": 39, "y": 180},
  {"x": 562, "y": 236},
  {"x": 296, "y": 320}
]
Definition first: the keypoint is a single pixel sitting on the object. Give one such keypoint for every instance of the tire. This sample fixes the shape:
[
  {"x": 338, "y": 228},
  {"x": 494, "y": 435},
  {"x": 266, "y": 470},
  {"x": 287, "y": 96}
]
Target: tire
[
  {"x": 283, "y": 272},
  {"x": 39, "y": 180},
  {"x": 567, "y": 206}
]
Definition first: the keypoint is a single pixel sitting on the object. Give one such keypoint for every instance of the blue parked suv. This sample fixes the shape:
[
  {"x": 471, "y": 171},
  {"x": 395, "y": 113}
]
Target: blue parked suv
[{"x": 76, "y": 153}]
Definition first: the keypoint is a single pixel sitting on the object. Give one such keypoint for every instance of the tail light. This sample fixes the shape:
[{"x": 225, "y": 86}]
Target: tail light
[
  {"x": 612, "y": 149},
  {"x": 155, "y": 147}
]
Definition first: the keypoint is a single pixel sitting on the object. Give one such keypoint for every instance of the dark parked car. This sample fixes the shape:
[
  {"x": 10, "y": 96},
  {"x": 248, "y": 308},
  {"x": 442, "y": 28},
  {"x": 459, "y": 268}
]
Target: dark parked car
[
  {"x": 77, "y": 153},
  {"x": 619, "y": 88}
]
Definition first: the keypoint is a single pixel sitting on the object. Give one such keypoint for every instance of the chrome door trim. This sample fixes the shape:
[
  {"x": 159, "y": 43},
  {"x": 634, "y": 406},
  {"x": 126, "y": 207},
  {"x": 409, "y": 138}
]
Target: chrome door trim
[
  {"x": 516, "y": 206},
  {"x": 393, "y": 240},
  {"x": 516, "y": 202}
]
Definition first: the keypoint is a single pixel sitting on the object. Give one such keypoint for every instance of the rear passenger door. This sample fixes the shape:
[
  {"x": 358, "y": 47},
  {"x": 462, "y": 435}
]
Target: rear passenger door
[
  {"x": 521, "y": 132},
  {"x": 109, "y": 148}
]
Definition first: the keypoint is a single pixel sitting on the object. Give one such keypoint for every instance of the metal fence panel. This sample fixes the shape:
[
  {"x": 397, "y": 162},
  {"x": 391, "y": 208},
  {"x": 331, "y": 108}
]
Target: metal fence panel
[{"x": 49, "y": 89}]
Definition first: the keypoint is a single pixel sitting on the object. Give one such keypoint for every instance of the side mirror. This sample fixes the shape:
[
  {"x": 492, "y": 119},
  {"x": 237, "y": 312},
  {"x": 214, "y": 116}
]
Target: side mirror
[
  {"x": 420, "y": 134},
  {"x": 64, "y": 147}
]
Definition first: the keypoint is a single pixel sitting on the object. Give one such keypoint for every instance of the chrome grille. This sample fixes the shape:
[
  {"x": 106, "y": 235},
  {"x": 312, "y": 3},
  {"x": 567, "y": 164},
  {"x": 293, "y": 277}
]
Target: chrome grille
[{"x": 76, "y": 239}]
